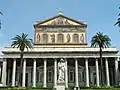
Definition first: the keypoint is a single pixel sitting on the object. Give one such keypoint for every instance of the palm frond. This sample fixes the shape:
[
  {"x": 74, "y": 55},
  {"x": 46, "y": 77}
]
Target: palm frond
[
  {"x": 1, "y": 13},
  {"x": 22, "y": 41},
  {"x": 117, "y": 23},
  {"x": 100, "y": 40},
  {"x": 119, "y": 14},
  {"x": 0, "y": 24}
]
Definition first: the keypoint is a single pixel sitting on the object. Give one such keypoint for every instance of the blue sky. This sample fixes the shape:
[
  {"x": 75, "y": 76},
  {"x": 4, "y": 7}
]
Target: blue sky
[{"x": 20, "y": 15}]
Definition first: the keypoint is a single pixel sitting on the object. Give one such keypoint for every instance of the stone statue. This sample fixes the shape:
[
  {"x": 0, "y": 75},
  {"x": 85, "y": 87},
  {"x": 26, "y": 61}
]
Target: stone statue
[
  {"x": 68, "y": 38},
  {"x": 53, "y": 37},
  {"x": 38, "y": 38},
  {"x": 61, "y": 70},
  {"x": 82, "y": 38}
]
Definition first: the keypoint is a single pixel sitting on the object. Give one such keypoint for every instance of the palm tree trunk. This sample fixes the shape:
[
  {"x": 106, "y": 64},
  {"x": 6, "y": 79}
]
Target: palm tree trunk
[
  {"x": 101, "y": 64},
  {"x": 21, "y": 66}
]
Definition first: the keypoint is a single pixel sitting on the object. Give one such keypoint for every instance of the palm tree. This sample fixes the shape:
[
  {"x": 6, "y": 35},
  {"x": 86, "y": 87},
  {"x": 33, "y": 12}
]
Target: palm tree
[
  {"x": 101, "y": 41},
  {"x": 118, "y": 20},
  {"x": 22, "y": 42}
]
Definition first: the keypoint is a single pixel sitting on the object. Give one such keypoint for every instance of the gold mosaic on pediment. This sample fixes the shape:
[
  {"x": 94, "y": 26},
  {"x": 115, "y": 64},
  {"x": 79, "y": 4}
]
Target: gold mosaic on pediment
[{"x": 60, "y": 21}]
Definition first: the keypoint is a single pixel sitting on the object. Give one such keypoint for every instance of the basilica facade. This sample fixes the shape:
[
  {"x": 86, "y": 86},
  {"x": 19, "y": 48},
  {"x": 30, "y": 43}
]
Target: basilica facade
[{"x": 60, "y": 37}]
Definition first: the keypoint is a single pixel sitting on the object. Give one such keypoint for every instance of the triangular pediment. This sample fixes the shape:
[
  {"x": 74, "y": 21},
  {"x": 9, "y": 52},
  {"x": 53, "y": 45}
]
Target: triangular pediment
[{"x": 60, "y": 20}]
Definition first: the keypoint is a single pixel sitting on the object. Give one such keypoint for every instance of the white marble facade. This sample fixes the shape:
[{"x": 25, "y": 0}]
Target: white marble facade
[{"x": 58, "y": 38}]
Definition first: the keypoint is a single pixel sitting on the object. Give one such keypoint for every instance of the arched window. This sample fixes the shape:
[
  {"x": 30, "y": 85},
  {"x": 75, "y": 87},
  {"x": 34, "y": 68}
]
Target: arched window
[
  {"x": 75, "y": 38},
  {"x": 60, "y": 38},
  {"x": 45, "y": 38},
  {"x": 38, "y": 38}
]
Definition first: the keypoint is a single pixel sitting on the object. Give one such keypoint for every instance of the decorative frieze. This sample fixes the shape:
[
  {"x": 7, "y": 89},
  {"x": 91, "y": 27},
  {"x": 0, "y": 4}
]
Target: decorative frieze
[{"x": 52, "y": 38}]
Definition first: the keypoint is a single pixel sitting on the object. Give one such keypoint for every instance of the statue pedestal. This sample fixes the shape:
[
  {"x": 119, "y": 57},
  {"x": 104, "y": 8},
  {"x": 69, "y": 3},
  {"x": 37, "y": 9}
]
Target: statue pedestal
[{"x": 60, "y": 86}]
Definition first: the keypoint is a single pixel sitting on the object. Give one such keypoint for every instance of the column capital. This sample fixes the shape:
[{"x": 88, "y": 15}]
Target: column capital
[
  {"x": 86, "y": 57},
  {"x": 34, "y": 58},
  {"x": 76, "y": 58},
  {"x": 4, "y": 59},
  {"x": 14, "y": 58},
  {"x": 96, "y": 58},
  {"x": 55, "y": 58},
  {"x": 106, "y": 58},
  {"x": 24, "y": 59},
  {"x": 45, "y": 58},
  {"x": 117, "y": 59}
]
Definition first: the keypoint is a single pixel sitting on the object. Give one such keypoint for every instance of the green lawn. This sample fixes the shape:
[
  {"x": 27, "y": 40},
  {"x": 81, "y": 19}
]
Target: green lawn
[{"x": 102, "y": 89}]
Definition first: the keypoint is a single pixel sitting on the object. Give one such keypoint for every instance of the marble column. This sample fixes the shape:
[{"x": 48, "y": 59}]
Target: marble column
[
  {"x": 116, "y": 70},
  {"x": 4, "y": 72},
  {"x": 97, "y": 72},
  {"x": 45, "y": 72},
  {"x": 1, "y": 71},
  {"x": 55, "y": 73},
  {"x": 87, "y": 72},
  {"x": 34, "y": 72},
  {"x": 14, "y": 72},
  {"x": 24, "y": 73},
  {"x": 107, "y": 72},
  {"x": 66, "y": 74},
  {"x": 76, "y": 73}
]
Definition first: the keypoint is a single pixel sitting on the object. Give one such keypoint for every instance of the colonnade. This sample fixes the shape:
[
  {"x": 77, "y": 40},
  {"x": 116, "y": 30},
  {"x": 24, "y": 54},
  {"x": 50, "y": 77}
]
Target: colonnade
[{"x": 4, "y": 72}]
